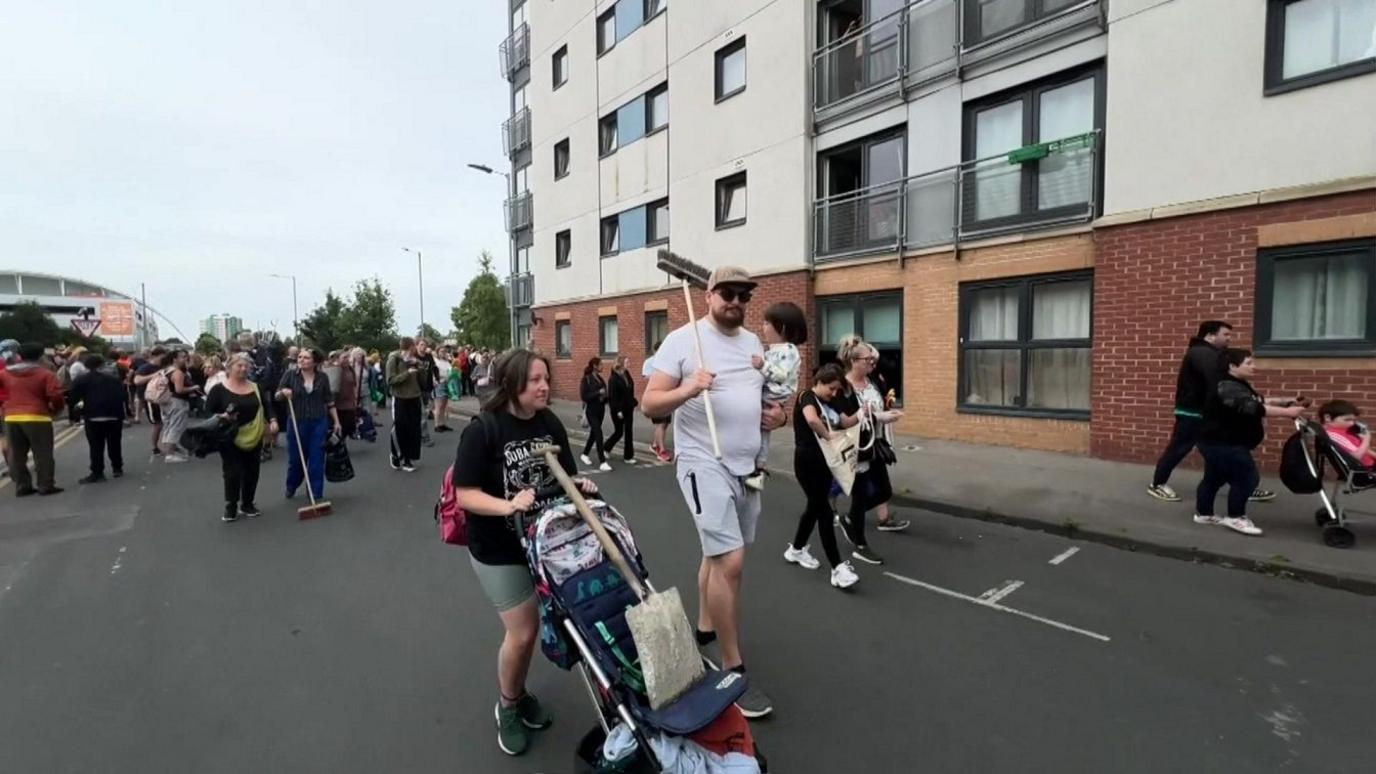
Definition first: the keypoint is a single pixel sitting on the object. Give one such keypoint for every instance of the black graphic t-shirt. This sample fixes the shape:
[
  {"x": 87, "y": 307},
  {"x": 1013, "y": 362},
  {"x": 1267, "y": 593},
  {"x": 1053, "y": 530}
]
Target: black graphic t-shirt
[{"x": 503, "y": 466}]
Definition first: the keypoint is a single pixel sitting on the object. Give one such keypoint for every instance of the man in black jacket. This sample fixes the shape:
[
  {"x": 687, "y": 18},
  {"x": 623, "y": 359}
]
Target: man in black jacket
[
  {"x": 1200, "y": 371},
  {"x": 103, "y": 393}
]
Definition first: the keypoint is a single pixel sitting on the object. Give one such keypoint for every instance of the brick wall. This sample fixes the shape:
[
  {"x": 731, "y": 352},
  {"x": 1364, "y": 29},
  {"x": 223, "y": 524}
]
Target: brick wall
[
  {"x": 630, "y": 313},
  {"x": 930, "y": 285},
  {"x": 1155, "y": 281}
]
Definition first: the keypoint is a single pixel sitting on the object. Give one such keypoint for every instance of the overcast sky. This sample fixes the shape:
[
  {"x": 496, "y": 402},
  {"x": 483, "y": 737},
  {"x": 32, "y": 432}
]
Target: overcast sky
[{"x": 200, "y": 146}]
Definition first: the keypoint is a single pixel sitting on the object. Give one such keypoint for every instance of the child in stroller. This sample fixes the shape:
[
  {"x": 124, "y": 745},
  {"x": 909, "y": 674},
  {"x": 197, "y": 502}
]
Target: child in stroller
[{"x": 1339, "y": 419}]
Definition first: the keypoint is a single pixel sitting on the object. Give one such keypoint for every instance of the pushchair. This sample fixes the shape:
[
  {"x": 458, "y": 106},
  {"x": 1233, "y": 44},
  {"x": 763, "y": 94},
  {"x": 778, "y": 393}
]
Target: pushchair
[
  {"x": 583, "y": 600},
  {"x": 1302, "y": 470}
]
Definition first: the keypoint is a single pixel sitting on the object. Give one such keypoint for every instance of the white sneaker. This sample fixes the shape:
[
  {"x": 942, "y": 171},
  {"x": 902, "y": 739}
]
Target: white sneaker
[
  {"x": 755, "y": 482},
  {"x": 175, "y": 458},
  {"x": 1210, "y": 520},
  {"x": 585, "y": 460},
  {"x": 1240, "y": 524},
  {"x": 801, "y": 557},
  {"x": 843, "y": 576},
  {"x": 604, "y": 467}
]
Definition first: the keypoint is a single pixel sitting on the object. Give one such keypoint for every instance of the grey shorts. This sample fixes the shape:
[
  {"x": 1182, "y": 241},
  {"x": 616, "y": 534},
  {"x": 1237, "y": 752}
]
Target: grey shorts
[
  {"x": 725, "y": 511},
  {"x": 506, "y": 585}
]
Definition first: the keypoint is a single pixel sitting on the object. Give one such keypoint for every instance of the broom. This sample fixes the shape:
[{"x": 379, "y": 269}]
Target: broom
[
  {"x": 659, "y": 626},
  {"x": 690, "y": 273},
  {"x": 315, "y": 509}
]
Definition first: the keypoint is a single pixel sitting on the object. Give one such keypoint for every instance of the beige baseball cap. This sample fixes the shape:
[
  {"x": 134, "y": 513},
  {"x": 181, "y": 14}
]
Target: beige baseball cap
[{"x": 730, "y": 275}]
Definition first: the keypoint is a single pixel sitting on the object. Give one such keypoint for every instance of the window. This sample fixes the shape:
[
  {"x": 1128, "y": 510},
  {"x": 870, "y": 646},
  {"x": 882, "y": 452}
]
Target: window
[
  {"x": 657, "y": 222},
  {"x": 653, "y": 7},
  {"x": 606, "y": 336},
  {"x": 563, "y": 339},
  {"x": 625, "y": 231},
  {"x": 606, "y": 135},
  {"x": 560, "y": 66},
  {"x": 656, "y": 330},
  {"x": 611, "y": 235},
  {"x": 561, "y": 158},
  {"x": 1024, "y": 345},
  {"x": 875, "y": 317},
  {"x": 606, "y": 31},
  {"x": 731, "y": 201},
  {"x": 563, "y": 249},
  {"x": 523, "y": 260},
  {"x": 986, "y": 19},
  {"x": 522, "y": 335},
  {"x": 518, "y": 16},
  {"x": 521, "y": 180},
  {"x": 730, "y": 79},
  {"x": 1309, "y": 42},
  {"x": 1044, "y": 186},
  {"x": 518, "y": 100},
  {"x": 657, "y": 108},
  {"x": 1317, "y": 299}
]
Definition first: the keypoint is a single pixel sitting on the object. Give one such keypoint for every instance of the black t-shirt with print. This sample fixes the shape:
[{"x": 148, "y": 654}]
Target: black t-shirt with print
[{"x": 503, "y": 466}]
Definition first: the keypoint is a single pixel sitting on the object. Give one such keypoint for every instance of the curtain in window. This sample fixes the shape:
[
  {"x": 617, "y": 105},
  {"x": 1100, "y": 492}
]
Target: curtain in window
[
  {"x": 994, "y": 314},
  {"x": 1061, "y": 310},
  {"x": 998, "y": 184},
  {"x": 992, "y": 377},
  {"x": 610, "y": 330},
  {"x": 1058, "y": 378},
  {"x": 1064, "y": 177},
  {"x": 1317, "y": 298}
]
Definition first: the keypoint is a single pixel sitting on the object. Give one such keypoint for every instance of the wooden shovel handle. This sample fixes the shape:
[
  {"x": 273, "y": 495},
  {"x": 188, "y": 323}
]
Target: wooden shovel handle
[{"x": 551, "y": 454}]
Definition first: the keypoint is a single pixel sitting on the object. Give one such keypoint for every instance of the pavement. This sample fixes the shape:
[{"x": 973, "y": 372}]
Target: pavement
[
  {"x": 139, "y": 633},
  {"x": 1098, "y": 500}
]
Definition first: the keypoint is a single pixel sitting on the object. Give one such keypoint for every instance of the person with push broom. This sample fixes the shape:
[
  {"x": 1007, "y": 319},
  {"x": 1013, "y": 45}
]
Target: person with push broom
[
  {"x": 311, "y": 414},
  {"x": 704, "y": 376}
]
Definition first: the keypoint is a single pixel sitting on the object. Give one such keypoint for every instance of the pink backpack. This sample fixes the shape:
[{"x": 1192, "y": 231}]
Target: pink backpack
[{"x": 451, "y": 518}]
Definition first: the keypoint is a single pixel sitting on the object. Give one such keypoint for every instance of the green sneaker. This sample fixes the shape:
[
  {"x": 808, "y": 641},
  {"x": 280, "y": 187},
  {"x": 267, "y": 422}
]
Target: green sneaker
[
  {"x": 532, "y": 713},
  {"x": 511, "y": 733}
]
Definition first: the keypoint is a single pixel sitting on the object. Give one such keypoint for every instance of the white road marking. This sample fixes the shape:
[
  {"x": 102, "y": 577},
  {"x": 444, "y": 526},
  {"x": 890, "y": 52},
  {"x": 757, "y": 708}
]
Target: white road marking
[
  {"x": 119, "y": 560},
  {"x": 992, "y": 596},
  {"x": 1064, "y": 555},
  {"x": 1001, "y": 608}
]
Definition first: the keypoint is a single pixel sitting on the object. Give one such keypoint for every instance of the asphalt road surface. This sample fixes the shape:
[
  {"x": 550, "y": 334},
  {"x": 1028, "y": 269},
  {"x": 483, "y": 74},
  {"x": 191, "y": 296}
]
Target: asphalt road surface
[{"x": 138, "y": 634}]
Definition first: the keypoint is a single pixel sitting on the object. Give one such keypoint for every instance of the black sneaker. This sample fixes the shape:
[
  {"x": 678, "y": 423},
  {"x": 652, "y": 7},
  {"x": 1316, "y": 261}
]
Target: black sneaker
[
  {"x": 532, "y": 713},
  {"x": 52, "y": 490},
  {"x": 119, "y": 473},
  {"x": 249, "y": 510},
  {"x": 867, "y": 555},
  {"x": 25, "y": 491},
  {"x": 894, "y": 524},
  {"x": 91, "y": 479},
  {"x": 231, "y": 513},
  {"x": 754, "y": 703}
]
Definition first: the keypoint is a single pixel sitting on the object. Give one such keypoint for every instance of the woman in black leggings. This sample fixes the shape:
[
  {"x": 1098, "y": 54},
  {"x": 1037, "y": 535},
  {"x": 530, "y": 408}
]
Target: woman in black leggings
[
  {"x": 813, "y": 418},
  {"x": 593, "y": 391}
]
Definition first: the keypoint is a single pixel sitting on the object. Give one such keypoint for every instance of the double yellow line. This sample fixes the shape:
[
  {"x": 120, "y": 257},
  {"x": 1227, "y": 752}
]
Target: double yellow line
[{"x": 61, "y": 439}]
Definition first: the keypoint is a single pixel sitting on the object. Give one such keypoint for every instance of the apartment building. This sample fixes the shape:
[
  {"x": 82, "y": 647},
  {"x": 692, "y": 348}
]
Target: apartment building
[
  {"x": 222, "y": 326},
  {"x": 1026, "y": 205}
]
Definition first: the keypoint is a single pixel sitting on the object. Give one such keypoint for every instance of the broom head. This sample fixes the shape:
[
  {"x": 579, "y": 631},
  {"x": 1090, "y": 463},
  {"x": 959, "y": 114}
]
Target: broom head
[
  {"x": 681, "y": 268},
  {"x": 314, "y": 510}
]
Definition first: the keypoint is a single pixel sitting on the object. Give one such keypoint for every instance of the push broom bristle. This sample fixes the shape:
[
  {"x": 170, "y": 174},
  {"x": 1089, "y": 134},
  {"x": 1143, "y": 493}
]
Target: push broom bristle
[{"x": 681, "y": 268}]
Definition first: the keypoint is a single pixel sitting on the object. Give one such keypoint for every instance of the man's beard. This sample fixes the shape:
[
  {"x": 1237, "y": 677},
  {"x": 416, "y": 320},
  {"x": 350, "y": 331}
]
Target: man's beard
[{"x": 728, "y": 319}]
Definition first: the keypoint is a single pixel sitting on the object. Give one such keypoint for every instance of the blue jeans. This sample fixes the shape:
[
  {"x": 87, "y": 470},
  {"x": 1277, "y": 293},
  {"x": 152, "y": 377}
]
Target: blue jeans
[
  {"x": 313, "y": 431},
  {"x": 1231, "y": 465}
]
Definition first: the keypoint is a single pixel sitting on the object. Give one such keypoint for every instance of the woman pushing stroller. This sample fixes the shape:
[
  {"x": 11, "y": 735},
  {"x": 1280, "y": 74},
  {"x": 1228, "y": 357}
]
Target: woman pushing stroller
[{"x": 496, "y": 476}]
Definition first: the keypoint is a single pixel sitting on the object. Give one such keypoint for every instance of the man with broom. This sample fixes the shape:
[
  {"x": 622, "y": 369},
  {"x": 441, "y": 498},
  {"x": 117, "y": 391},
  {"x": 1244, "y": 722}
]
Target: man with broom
[{"x": 724, "y": 509}]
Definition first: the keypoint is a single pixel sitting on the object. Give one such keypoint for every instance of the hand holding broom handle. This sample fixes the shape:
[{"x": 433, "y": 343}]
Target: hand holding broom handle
[
  {"x": 692, "y": 274},
  {"x": 551, "y": 455}
]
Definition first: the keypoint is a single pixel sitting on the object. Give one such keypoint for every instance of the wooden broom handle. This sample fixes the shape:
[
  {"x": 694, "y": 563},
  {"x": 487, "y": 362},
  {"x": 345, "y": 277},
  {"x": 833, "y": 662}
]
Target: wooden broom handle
[
  {"x": 595, "y": 524},
  {"x": 706, "y": 394}
]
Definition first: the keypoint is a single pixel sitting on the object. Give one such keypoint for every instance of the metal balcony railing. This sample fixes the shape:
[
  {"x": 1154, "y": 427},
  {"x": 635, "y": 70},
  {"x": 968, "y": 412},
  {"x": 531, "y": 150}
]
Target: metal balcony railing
[
  {"x": 516, "y": 132},
  {"x": 514, "y": 52},
  {"x": 1039, "y": 186},
  {"x": 520, "y": 290},
  {"x": 921, "y": 38},
  {"x": 520, "y": 212}
]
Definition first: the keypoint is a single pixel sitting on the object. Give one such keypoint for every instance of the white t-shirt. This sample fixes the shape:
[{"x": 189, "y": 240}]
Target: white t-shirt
[{"x": 735, "y": 396}]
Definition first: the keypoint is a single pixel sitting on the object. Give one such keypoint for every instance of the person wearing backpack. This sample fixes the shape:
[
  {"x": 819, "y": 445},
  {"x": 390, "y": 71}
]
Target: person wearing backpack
[
  {"x": 497, "y": 476},
  {"x": 144, "y": 375}
]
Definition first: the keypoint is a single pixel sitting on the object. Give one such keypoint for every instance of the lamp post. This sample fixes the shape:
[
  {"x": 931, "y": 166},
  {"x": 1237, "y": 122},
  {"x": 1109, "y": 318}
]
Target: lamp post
[
  {"x": 510, "y": 245},
  {"x": 420, "y": 276},
  {"x": 295, "y": 320}
]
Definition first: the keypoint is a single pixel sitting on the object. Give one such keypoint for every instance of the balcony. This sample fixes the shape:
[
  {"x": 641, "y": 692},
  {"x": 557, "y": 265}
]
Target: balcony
[
  {"x": 520, "y": 290},
  {"x": 514, "y": 52},
  {"x": 519, "y": 212},
  {"x": 516, "y": 132},
  {"x": 1040, "y": 186}
]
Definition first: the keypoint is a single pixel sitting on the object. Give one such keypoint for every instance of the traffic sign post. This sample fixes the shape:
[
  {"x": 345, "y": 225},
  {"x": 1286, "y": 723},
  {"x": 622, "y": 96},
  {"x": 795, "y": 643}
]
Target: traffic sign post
[{"x": 85, "y": 326}]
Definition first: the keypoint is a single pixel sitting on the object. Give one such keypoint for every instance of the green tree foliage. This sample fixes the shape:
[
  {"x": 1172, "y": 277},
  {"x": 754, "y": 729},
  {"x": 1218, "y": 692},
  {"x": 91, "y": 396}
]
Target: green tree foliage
[
  {"x": 324, "y": 326},
  {"x": 29, "y": 323},
  {"x": 207, "y": 344},
  {"x": 428, "y": 331},
  {"x": 367, "y": 319},
  {"x": 482, "y": 318}
]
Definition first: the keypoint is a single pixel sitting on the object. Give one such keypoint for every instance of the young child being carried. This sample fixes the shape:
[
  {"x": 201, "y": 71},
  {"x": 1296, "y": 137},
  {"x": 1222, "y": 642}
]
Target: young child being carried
[{"x": 785, "y": 327}]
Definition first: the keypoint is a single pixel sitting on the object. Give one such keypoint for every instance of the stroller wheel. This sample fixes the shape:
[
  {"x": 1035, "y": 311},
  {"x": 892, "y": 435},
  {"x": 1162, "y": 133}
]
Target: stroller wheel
[
  {"x": 1321, "y": 517},
  {"x": 1337, "y": 536}
]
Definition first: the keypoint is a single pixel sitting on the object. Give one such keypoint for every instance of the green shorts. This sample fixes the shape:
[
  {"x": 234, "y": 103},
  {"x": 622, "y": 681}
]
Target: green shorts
[{"x": 506, "y": 585}]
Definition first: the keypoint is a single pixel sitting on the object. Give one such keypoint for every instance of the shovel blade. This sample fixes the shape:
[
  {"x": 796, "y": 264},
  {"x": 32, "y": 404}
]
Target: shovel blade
[{"x": 668, "y": 651}]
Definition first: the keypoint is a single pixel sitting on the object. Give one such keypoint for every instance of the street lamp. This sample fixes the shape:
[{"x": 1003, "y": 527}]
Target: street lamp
[
  {"x": 510, "y": 244},
  {"x": 295, "y": 320},
  {"x": 420, "y": 272}
]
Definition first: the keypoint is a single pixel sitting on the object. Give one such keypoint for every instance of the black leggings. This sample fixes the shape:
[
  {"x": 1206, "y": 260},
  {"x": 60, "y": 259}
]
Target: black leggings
[
  {"x": 621, "y": 423},
  {"x": 595, "y": 413},
  {"x": 241, "y": 474},
  {"x": 870, "y": 490},
  {"x": 814, "y": 476}
]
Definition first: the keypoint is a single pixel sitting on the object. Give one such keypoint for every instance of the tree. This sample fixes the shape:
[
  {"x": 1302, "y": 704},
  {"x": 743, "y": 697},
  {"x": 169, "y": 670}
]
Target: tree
[
  {"x": 207, "y": 344},
  {"x": 370, "y": 321},
  {"x": 428, "y": 331},
  {"x": 482, "y": 318},
  {"x": 27, "y": 323},
  {"x": 324, "y": 326}
]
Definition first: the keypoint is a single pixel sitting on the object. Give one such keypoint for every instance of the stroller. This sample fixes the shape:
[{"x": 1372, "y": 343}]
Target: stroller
[
  {"x": 583, "y": 600},
  {"x": 1301, "y": 469}
]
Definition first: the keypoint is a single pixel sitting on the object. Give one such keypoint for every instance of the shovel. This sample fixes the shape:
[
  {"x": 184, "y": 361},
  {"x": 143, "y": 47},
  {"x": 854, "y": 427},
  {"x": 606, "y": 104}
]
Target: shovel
[{"x": 668, "y": 651}]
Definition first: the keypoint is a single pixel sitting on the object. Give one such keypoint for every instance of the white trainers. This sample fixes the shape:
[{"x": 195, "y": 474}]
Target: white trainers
[
  {"x": 585, "y": 460},
  {"x": 843, "y": 576},
  {"x": 755, "y": 482},
  {"x": 1210, "y": 520},
  {"x": 1240, "y": 524},
  {"x": 604, "y": 467},
  {"x": 801, "y": 557}
]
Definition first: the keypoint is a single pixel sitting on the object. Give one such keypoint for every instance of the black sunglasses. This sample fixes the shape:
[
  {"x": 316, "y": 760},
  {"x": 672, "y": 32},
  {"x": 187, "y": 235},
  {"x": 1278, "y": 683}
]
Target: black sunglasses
[{"x": 729, "y": 295}]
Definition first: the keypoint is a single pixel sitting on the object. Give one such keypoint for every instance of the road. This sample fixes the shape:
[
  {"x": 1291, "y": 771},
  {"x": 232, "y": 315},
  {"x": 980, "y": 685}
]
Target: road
[{"x": 138, "y": 633}]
